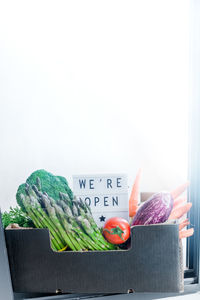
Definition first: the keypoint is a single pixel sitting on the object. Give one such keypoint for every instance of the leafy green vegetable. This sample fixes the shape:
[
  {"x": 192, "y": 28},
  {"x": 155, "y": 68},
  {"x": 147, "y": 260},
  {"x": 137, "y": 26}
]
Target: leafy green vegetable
[
  {"x": 48, "y": 183},
  {"x": 16, "y": 215}
]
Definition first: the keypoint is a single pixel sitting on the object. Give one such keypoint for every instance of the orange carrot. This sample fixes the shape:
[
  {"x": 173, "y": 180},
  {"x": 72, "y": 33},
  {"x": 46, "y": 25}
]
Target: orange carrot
[
  {"x": 179, "y": 190},
  {"x": 186, "y": 233},
  {"x": 178, "y": 212},
  {"x": 134, "y": 197},
  {"x": 180, "y": 201},
  {"x": 183, "y": 224}
]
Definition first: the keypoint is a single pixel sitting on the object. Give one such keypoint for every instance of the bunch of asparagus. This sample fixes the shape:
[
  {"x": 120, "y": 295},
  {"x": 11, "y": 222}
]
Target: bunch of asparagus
[{"x": 70, "y": 222}]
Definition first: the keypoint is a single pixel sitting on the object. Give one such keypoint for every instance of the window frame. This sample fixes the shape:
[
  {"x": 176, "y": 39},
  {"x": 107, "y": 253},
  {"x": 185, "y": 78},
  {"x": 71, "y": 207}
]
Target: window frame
[{"x": 193, "y": 243}]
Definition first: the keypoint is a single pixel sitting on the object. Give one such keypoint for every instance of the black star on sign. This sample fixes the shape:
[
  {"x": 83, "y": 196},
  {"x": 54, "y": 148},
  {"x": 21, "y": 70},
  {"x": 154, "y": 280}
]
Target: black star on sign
[{"x": 102, "y": 219}]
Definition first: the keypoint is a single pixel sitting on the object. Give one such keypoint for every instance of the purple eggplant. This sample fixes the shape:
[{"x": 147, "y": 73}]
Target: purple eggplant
[{"x": 155, "y": 210}]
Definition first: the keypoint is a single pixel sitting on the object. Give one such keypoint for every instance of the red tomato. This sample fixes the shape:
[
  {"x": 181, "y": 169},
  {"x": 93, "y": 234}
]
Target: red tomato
[{"x": 116, "y": 230}]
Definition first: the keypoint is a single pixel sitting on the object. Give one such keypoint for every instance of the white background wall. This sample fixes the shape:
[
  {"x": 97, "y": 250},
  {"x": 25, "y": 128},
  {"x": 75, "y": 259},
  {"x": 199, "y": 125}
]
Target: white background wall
[{"x": 93, "y": 87}]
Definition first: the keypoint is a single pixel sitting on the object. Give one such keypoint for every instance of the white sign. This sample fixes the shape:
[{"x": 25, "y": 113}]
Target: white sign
[{"x": 107, "y": 195}]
